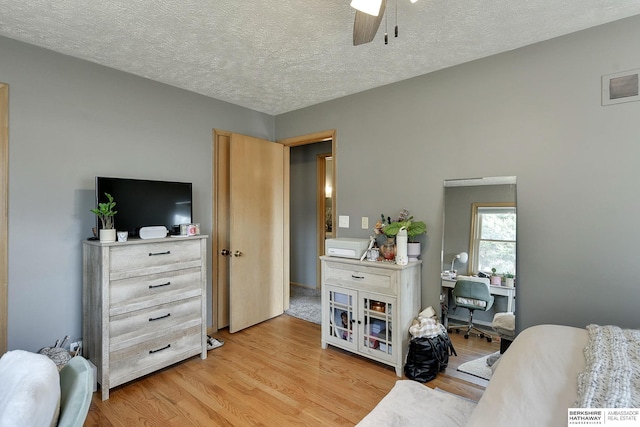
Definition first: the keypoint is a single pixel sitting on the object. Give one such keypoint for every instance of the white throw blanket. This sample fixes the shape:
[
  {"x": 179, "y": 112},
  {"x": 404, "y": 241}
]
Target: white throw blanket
[
  {"x": 29, "y": 390},
  {"x": 413, "y": 404},
  {"x": 612, "y": 375}
]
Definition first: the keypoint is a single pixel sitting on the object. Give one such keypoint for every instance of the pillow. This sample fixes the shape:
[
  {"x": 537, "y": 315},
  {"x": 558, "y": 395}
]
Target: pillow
[
  {"x": 29, "y": 390},
  {"x": 471, "y": 301}
]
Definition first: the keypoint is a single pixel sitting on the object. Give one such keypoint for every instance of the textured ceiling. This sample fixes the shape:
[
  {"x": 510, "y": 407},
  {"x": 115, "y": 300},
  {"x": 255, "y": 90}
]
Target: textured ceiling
[{"x": 279, "y": 56}]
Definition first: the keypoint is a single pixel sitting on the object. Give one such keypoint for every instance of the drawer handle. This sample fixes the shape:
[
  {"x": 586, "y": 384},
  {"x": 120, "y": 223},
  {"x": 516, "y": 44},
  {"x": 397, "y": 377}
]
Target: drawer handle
[
  {"x": 151, "y": 319},
  {"x": 357, "y": 277},
  {"x": 160, "y": 285},
  {"x": 160, "y": 349},
  {"x": 159, "y": 253}
]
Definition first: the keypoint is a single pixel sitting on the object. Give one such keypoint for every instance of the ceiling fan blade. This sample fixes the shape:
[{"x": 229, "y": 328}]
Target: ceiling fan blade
[{"x": 366, "y": 26}]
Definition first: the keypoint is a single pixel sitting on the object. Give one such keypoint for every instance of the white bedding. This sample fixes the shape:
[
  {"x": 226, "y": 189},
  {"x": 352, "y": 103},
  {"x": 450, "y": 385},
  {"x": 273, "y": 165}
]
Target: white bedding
[
  {"x": 535, "y": 381},
  {"x": 410, "y": 403},
  {"x": 29, "y": 390}
]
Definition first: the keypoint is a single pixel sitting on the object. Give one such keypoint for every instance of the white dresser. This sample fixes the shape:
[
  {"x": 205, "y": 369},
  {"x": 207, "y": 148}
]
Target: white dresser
[
  {"x": 144, "y": 306},
  {"x": 368, "y": 307}
]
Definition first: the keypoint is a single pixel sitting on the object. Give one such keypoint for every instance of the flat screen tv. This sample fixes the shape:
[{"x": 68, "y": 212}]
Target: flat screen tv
[{"x": 143, "y": 203}]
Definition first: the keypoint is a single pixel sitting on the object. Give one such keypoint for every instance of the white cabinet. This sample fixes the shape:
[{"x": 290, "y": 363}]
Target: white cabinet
[
  {"x": 144, "y": 306},
  {"x": 368, "y": 307}
]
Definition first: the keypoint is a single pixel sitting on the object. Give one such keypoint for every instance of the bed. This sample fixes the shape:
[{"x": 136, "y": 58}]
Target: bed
[{"x": 546, "y": 370}]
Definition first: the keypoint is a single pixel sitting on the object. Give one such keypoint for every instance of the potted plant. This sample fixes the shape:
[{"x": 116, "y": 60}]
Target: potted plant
[
  {"x": 414, "y": 228},
  {"x": 495, "y": 279},
  {"x": 105, "y": 213},
  {"x": 509, "y": 279}
]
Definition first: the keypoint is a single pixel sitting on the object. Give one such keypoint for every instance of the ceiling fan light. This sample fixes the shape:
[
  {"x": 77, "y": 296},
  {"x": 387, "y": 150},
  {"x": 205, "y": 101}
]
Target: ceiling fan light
[{"x": 370, "y": 7}]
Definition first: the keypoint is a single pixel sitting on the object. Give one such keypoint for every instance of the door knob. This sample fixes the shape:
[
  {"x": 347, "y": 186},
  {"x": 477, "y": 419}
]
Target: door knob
[
  {"x": 225, "y": 252},
  {"x": 237, "y": 253}
]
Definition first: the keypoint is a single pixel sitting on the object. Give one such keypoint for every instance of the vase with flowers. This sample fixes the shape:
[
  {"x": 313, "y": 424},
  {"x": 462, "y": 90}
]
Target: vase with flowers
[{"x": 390, "y": 230}]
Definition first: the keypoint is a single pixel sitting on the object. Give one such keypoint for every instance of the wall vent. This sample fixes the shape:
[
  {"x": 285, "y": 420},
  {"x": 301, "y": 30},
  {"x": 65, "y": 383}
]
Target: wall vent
[{"x": 620, "y": 87}]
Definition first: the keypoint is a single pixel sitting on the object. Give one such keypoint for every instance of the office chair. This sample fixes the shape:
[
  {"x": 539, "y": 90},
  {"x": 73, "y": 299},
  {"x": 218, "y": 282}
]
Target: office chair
[{"x": 473, "y": 295}]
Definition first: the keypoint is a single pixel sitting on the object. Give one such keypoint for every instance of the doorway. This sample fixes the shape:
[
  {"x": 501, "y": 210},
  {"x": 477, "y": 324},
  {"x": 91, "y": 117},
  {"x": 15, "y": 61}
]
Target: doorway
[
  {"x": 220, "y": 279},
  {"x": 309, "y": 211},
  {"x": 305, "y": 262},
  {"x": 311, "y": 219}
]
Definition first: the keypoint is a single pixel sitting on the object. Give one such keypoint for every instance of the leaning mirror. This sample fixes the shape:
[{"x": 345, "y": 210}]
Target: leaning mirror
[{"x": 479, "y": 238}]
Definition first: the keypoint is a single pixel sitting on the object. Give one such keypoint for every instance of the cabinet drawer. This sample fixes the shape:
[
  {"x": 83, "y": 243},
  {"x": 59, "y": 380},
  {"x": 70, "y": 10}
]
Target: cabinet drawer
[
  {"x": 142, "y": 325},
  {"x": 136, "y": 293},
  {"x": 133, "y": 362},
  {"x": 132, "y": 258},
  {"x": 362, "y": 277}
]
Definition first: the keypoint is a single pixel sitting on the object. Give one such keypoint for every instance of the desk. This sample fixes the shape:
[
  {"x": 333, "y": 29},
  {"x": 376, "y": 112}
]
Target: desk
[{"x": 510, "y": 293}]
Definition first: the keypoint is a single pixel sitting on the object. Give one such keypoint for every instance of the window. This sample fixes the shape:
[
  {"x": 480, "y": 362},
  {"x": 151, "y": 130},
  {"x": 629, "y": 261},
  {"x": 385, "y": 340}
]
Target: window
[{"x": 493, "y": 237}]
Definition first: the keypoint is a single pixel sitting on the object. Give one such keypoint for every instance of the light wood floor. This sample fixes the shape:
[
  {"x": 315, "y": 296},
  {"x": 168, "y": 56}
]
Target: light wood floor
[{"x": 272, "y": 374}]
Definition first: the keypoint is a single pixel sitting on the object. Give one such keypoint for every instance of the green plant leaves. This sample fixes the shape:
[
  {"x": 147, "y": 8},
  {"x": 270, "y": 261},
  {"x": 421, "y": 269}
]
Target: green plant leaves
[
  {"x": 414, "y": 228},
  {"x": 105, "y": 212}
]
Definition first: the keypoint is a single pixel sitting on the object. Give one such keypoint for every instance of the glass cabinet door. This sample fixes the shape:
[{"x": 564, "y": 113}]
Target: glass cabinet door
[
  {"x": 377, "y": 328},
  {"x": 342, "y": 312}
]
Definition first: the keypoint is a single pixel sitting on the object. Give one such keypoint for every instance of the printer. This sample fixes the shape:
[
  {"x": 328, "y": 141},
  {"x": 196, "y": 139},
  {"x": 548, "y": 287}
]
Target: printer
[{"x": 346, "y": 247}]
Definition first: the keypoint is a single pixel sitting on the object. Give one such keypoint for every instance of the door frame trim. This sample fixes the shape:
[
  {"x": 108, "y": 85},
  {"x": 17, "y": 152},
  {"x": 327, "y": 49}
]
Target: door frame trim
[
  {"x": 321, "y": 171},
  {"x": 4, "y": 215},
  {"x": 220, "y": 214}
]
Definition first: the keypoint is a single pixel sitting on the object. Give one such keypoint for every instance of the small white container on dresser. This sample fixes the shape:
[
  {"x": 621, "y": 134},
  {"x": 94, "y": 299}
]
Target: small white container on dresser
[
  {"x": 144, "y": 306},
  {"x": 368, "y": 307}
]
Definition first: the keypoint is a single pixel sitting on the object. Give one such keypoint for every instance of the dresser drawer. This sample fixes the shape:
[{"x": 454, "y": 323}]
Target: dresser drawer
[
  {"x": 133, "y": 258},
  {"x": 142, "y": 325},
  {"x": 140, "y": 292},
  {"x": 360, "y": 277},
  {"x": 133, "y": 362}
]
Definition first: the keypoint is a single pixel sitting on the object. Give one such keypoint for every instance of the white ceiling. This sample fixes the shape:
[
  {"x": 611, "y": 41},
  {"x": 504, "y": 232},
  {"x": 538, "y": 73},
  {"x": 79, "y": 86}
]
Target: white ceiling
[{"x": 279, "y": 56}]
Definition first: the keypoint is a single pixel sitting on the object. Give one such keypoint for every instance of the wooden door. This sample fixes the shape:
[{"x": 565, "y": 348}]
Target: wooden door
[{"x": 256, "y": 231}]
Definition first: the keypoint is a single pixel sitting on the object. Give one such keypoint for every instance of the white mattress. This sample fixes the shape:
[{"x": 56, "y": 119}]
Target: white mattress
[{"x": 535, "y": 381}]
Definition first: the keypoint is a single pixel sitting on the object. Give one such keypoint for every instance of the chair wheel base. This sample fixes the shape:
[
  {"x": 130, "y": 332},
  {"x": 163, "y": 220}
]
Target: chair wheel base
[
  {"x": 489, "y": 339},
  {"x": 466, "y": 336}
]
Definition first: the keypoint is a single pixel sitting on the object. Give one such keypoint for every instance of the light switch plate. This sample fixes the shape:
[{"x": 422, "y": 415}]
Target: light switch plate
[
  {"x": 343, "y": 221},
  {"x": 365, "y": 222}
]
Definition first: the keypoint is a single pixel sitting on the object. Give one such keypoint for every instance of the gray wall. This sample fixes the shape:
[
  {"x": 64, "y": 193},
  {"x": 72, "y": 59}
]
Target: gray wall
[
  {"x": 69, "y": 121},
  {"x": 304, "y": 235},
  {"x": 534, "y": 113}
]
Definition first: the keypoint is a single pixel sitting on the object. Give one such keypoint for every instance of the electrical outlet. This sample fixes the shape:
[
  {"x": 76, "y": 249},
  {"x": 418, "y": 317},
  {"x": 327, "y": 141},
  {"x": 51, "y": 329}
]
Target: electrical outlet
[
  {"x": 365, "y": 222},
  {"x": 73, "y": 347}
]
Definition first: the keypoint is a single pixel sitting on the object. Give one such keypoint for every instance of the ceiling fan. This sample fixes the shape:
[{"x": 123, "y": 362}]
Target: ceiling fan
[{"x": 369, "y": 15}]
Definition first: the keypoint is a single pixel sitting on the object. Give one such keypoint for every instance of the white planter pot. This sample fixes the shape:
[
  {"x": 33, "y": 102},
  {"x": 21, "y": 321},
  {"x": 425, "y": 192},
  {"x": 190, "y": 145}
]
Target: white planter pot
[
  {"x": 107, "y": 235},
  {"x": 509, "y": 281},
  {"x": 413, "y": 251}
]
